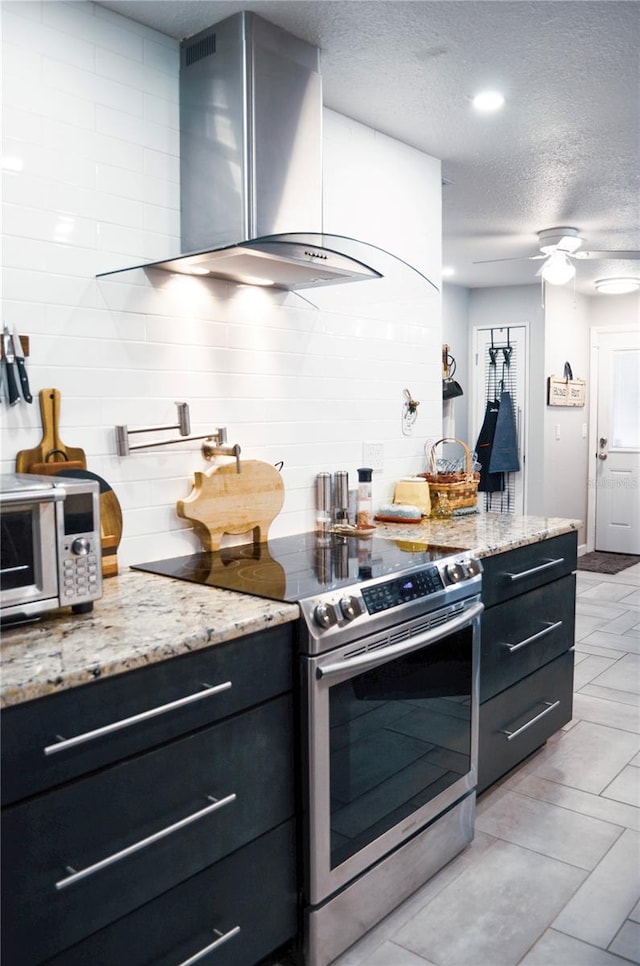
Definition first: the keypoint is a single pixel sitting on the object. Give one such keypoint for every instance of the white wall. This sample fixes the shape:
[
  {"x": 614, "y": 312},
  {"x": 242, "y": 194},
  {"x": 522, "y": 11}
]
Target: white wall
[
  {"x": 566, "y": 438},
  {"x": 455, "y": 333},
  {"x": 90, "y": 120}
]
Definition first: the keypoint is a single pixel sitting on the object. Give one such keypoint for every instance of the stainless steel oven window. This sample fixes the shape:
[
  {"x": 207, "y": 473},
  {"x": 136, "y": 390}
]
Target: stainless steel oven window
[{"x": 390, "y": 747}]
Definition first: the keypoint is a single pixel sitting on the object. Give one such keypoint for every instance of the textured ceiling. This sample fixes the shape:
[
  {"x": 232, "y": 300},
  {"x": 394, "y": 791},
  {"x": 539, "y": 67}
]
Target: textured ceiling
[{"x": 565, "y": 150}]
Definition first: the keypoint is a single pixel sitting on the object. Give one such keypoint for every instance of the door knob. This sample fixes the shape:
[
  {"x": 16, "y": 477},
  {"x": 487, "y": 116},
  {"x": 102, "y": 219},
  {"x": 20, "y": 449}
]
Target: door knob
[{"x": 602, "y": 456}]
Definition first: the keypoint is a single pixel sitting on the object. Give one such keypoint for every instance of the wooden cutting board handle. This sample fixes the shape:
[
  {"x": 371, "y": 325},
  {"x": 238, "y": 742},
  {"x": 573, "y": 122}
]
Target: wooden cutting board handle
[
  {"x": 51, "y": 449},
  {"x": 225, "y": 501}
]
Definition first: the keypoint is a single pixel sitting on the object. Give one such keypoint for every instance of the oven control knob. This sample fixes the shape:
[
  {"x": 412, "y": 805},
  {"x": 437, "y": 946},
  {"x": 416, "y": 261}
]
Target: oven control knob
[
  {"x": 455, "y": 573},
  {"x": 473, "y": 567},
  {"x": 350, "y": 607},
  {"x": 324, "y": 615},
  {"x": 81, "y": 546}
]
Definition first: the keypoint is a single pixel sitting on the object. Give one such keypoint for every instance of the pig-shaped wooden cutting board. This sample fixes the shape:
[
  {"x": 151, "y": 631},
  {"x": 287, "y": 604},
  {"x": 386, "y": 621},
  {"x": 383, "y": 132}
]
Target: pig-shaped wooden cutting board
[{"x": 225, "y": 501}]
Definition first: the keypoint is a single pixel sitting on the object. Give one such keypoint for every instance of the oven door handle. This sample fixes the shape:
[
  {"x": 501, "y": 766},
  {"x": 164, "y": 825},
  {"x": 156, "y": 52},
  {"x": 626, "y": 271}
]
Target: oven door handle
[{"x": 371, "y": 659}]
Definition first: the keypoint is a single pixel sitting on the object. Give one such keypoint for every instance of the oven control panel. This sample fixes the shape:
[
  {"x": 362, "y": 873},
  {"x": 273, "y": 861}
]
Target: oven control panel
[
  {"x": 370, "y": 599},
  {"x": 399, "y": 590}
]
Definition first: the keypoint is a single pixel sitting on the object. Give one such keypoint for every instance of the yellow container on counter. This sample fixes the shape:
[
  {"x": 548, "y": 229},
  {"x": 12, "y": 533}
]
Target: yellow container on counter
[{"x": 413, "y": 490}]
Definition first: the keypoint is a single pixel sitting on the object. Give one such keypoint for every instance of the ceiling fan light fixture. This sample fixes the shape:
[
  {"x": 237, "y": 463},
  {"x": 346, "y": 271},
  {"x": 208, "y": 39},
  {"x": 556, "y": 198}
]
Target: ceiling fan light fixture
[
  {"x": 617, "y": 286},
  {"x": 488, "y": 101},
  {"x": 558, "y": 269}
]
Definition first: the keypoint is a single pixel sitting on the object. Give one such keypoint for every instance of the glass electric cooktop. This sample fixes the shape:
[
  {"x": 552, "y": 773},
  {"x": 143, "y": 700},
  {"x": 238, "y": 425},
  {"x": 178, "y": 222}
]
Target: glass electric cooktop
[{"x": 296, "y": 567}]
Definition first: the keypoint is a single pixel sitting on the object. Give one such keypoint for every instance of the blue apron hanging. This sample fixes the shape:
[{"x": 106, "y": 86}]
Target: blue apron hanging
[{"x": 504, "y": 451}]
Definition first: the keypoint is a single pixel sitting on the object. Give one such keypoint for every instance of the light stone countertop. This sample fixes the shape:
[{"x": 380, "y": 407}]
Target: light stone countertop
[{"x": 142, "y": 618}]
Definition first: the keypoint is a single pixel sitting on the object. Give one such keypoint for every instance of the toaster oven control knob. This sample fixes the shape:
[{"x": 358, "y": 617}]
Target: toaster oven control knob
[
  {"x": 350, "y": 607},
  {"x": 80, "y": 546},
  {"x": 324, "y": 615}
]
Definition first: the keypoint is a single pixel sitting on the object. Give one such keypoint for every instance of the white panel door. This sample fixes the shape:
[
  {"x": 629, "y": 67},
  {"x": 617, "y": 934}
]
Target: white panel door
[{"x": 617, "y": 456}]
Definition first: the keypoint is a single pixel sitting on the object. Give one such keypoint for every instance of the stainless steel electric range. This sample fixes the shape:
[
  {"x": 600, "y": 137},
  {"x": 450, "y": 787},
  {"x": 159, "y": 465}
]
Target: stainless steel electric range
[{"x": 388, "y": 644}]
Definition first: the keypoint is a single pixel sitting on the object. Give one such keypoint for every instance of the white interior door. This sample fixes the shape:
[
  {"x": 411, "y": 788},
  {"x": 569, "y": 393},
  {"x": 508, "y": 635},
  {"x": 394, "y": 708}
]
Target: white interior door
[
  {"x": 486, "y": 382},
  {"x": 617, "y": 450}
]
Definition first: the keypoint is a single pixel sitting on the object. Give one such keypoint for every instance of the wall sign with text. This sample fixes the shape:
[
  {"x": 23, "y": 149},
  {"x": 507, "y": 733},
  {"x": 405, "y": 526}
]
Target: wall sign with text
[{"x": 566, "y": 392}]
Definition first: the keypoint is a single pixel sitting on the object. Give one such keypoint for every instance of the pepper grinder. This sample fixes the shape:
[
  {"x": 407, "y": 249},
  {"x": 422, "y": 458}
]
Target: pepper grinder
[
  {"x": 323, "y": 502},
  {"x": 341, "y": 496},
  {"x": 364, "y": 517}
]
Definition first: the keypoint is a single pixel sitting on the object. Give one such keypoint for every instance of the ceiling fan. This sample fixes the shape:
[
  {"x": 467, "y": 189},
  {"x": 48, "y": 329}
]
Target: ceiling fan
[{"x": 558, "y": 248}]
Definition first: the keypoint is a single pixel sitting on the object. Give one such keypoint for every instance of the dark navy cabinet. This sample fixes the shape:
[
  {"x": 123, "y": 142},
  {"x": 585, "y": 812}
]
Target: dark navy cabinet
[
  {"x": 164, "y": 824},
  {"x": 526, "y": 668}
]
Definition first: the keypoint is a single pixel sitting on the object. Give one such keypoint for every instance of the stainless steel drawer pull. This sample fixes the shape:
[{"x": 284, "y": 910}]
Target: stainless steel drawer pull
[
  {"x": 214, "y": 945},
  {"x": 64, "y": 743},
  {"x": 535, "y": 570},
  {"x": 143, "y": 843},
  {"x": 549, "y": 707},
  {"x": 534, "y": 637}
]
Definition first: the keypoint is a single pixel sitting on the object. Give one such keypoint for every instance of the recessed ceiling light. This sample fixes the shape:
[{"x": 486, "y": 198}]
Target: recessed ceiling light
[
  {"x": 617, "y": 286},
  {"x": 448, "y": 271},
  {"x": 487, "y": 101}
]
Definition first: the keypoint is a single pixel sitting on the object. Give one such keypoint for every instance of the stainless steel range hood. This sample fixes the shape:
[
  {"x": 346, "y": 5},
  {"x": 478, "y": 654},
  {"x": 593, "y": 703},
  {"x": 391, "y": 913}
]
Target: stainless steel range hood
[{"x": 251, "y": 162}]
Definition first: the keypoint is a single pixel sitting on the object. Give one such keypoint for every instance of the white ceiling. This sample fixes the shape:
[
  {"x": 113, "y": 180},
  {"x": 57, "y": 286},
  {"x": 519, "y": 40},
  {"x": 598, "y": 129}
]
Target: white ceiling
[{"x": 565, "y": 150}]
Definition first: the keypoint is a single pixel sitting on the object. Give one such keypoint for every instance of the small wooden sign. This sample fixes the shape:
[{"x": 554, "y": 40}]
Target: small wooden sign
[{"x": 566, "y": 392}]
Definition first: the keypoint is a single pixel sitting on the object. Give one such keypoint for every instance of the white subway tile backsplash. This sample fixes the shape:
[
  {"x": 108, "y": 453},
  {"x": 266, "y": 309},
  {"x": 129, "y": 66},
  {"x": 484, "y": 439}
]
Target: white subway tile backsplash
[
  {"x": 129, "y": 127},
  {"x": 138, "y": 76},
  {"x": 162, "y": 167},
  {"x": 79, "y": 21},
  {"x": 162, "y": 55}
]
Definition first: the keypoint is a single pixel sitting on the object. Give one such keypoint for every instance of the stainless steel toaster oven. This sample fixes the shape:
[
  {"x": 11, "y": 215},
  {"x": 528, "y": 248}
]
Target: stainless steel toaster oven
[{"x": 50, "y": 551}]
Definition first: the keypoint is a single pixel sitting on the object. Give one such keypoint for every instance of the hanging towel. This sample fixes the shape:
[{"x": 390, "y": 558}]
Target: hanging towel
[
  {"x": 504, "y": 451},
  {"x": 489, "y": 482}
]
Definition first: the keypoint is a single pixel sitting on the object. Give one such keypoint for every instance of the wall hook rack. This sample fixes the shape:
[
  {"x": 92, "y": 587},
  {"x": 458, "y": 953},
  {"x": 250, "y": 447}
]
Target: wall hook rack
[{"x": 183, "y": 425}]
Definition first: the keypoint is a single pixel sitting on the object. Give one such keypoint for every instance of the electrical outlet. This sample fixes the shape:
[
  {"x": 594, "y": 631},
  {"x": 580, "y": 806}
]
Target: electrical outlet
[{"x": 373, "y": 455}]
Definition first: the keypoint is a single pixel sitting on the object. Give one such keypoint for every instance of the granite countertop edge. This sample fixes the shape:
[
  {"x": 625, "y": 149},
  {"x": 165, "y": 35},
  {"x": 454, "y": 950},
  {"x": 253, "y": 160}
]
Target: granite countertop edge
[{"x": 143, "y": 618}]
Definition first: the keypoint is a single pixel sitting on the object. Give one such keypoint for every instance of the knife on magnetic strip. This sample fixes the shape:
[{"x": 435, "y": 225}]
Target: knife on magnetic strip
[
  {"x": 9, "y": 359},
  {"x": 22, "y": 368}
]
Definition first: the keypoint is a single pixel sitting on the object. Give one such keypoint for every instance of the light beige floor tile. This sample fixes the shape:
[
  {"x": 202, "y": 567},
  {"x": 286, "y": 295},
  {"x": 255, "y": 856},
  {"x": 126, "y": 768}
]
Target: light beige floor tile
[
  {"x": 613, "y": 714},
  {"x": 555, "y": 949},
  {"x": 627, "y": 942},
  {"x": 606, "y": 611},
  {"x": 610, "y": 695},
  {"x": 625, "y": 816},
  {"x": 390, "y": 954},
  {"x": 588, "y": 757},
  {"x": 624, "y": 675},
  {"x": 627, "y": 624},
  {"x": 604, "y": 901},
  {"x": 605, "y": 640},
  {"x": 479, "y": 918},
  {"x": 626, "y": 787},
  {"x": 590, "y": 668},
  {"x": 635, "y": 913},
  {"x": 622, "y": 594},
  {"x": 550, "y": 830}
]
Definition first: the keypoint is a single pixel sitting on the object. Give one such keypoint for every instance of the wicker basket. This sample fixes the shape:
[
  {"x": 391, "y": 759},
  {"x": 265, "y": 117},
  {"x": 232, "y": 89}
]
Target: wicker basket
[{"x": 451, "y": 491}]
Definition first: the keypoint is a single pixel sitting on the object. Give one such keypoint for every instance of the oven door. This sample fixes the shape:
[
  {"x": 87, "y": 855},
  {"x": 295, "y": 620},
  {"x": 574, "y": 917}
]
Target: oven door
[
  {"x": 28, "y": 557},
  {"x": 392, "y": 740}
]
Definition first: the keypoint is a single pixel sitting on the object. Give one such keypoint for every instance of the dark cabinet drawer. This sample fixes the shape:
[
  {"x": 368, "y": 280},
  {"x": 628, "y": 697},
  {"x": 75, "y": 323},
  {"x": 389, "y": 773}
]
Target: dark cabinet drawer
[
  {"x": 519, "y": 720},
  {"x": 246, "y": 902},
  {"x": 156, "y": 814},
  {"x": 506, "y": 575},
  {"x": 526, "y": 632},
  {"x": 158, "y": 699}
]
